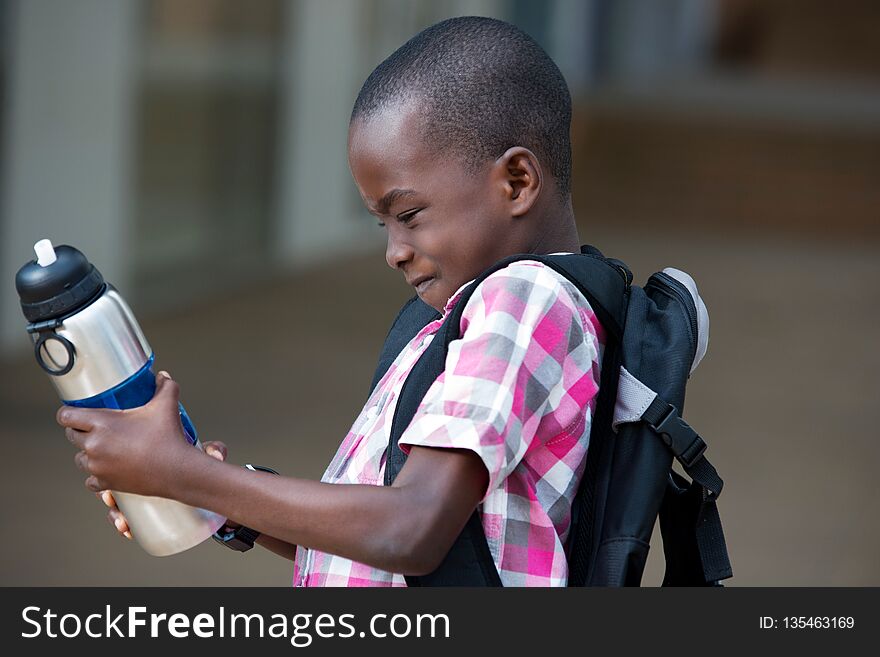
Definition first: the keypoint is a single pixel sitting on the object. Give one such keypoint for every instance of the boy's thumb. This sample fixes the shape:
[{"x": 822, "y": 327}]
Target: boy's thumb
[{"x": 167, "y": 390}]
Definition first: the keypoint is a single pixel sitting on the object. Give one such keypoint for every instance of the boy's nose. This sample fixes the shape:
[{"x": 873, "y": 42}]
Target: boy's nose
[{"x": 397, "y": 253}]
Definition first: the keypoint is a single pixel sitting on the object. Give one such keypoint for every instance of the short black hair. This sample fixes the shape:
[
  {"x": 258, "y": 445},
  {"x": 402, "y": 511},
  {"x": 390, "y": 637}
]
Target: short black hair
[{"x": 485, "y": 86}]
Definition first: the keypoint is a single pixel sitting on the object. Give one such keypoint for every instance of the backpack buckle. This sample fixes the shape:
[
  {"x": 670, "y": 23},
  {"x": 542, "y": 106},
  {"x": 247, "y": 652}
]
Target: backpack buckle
[{"x": 678, "y": 435}]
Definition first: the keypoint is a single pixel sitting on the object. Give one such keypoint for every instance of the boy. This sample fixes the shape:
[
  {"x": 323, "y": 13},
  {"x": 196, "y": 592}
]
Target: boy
[{"x": 459, "y": 145}]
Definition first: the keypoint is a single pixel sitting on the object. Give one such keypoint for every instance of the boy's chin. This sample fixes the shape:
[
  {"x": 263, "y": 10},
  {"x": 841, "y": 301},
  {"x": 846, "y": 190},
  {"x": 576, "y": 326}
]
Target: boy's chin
[
  {"x": 430, "y": 294},
  {"x": 431, "y": 302}
]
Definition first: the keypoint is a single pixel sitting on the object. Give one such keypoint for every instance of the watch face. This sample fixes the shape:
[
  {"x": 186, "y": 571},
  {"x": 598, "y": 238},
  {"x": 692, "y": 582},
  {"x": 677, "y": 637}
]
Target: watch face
[
  {"x": 240, "y": 539},
  {"x": 225, "y": 534}
]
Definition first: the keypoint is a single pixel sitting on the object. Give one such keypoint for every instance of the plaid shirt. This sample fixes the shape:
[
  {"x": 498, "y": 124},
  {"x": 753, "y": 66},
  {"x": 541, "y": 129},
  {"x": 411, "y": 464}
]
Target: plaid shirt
[{"x": 519, "y": 390}]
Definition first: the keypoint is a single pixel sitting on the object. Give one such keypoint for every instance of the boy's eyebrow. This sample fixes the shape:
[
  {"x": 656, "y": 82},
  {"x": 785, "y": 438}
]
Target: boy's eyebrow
[{"x": 388, "y": 200}]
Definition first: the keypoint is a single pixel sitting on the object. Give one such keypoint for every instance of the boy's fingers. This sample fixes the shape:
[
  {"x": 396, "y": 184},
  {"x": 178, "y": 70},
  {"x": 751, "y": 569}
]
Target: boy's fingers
[
  {"x": 115, "y": 516},
  {"x": 94, "y": 484},
  {"x": 82, "y": 461},
  {"x": 107, "y": 498},
  {"x": 216, "y": 449},
  {"x": 118, "y": 520},
  {"x": 76, "y": 437},
  {"x": 82, "y": 419}
]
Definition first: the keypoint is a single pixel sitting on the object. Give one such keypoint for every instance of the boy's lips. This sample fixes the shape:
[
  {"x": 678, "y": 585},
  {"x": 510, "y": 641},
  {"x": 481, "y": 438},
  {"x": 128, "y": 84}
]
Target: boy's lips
[{"x": 421, "y": 283}]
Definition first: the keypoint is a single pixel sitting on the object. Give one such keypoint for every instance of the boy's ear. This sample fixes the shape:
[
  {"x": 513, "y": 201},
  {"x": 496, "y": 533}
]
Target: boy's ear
[{"x": 521, "y": 178}]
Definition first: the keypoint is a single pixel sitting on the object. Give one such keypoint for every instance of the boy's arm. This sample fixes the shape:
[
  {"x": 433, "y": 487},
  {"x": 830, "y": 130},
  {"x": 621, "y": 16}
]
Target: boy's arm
[
  {"x": 279, "y": 547},
  {"x": 406, "y": 528}
]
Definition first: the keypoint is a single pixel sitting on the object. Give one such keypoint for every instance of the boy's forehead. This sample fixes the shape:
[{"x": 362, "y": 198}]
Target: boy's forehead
[
  {"x": 395, "y": 129},
  {"x": 393, "y": 136}
]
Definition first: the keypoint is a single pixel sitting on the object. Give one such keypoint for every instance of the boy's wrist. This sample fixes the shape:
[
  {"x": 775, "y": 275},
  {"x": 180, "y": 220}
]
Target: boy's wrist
[
  {"x": 239, "y": 537},
  {"x": 187, "y": 474}
]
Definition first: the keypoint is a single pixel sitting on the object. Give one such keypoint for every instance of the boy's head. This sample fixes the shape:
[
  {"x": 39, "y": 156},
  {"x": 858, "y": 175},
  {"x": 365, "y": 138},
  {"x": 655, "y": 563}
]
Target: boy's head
[{"x": 459, "y": 143}]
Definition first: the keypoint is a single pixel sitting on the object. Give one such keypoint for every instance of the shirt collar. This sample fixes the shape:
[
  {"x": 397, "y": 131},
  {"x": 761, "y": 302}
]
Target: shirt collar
[{"x": 457, "y": 294}]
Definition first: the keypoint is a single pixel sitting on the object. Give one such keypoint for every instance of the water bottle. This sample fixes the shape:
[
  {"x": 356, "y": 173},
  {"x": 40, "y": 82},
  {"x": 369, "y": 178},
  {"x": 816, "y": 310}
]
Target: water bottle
[{"x": 89, "y": 343}]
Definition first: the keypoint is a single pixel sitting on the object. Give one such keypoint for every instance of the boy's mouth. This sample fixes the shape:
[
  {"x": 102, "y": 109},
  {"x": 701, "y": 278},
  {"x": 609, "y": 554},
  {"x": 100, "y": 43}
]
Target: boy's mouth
[{"x": 421, "y": 283}]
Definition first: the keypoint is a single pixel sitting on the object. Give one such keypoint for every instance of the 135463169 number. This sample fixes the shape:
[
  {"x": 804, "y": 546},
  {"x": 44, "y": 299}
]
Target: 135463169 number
[{"x": 818, "y": 622}]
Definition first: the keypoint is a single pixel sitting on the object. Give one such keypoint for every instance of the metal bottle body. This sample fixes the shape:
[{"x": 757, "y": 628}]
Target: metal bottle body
[{"x": 112, "y": 368}]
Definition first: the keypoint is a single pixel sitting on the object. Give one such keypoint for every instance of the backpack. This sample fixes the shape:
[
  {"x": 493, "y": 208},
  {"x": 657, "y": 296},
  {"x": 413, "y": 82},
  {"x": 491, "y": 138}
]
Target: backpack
[{"x": 656, "y": 336}]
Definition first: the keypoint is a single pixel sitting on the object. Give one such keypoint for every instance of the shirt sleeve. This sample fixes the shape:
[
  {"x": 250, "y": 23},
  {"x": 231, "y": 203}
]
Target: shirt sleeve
[{"x": 523, "y": 373}]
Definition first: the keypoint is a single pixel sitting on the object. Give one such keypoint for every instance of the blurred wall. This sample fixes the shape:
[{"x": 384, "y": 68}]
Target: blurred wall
[
  {"x": 188, "y": 148},
  {"x": 191, "y": 148},
  {"x": 67, "y": 137}
]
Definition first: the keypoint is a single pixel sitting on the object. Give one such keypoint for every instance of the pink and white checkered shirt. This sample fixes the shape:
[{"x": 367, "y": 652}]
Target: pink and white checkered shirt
[{"x": 520, "y": 391}]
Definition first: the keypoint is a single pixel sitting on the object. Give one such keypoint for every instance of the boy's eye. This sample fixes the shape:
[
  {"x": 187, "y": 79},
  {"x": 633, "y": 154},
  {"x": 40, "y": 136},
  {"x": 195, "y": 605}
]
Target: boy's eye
[
  {"x": 406, "y": 216},
  {"x": 403, "y": 216}
]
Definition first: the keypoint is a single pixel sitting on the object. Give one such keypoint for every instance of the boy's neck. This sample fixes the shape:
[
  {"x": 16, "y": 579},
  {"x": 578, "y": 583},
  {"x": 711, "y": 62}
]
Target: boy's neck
[{"x": 558, "y": 232}]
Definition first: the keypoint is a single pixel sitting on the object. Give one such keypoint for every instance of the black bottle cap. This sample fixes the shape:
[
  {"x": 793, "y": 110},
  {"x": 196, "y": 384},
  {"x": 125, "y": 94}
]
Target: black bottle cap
[{"x": 60, "y": 288}]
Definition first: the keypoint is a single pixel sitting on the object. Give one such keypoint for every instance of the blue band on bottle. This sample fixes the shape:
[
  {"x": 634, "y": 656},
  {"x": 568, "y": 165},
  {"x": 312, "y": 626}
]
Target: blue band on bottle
[{"x": 136, "y": 390}]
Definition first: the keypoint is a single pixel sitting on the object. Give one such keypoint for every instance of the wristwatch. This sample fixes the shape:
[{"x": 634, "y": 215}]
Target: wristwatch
[{"x": 240, "y": 539}]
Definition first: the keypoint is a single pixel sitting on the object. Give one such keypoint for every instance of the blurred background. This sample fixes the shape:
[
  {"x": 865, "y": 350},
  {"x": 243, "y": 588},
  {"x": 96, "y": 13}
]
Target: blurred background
[{"x": 195, "y": 150}]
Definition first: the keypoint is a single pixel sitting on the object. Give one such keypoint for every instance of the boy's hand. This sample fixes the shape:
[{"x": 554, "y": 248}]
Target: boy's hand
[
  {"x": 212, "y": 448},
  {"x": 139, "y": 450}
]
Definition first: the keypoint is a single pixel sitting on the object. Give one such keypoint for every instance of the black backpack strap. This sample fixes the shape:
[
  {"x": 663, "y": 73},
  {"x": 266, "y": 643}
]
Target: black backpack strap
[
  {"x": 411, "y": 319},
  {"x": 693, "y": 540},
  {"x": 604, "y": 284},
  {"x": 589, "y": 502},
  {"x": 469, "y": 561}
]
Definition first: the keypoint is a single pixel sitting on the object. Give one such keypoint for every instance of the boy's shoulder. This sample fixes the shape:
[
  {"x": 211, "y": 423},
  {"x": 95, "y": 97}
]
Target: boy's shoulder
[
  {"x": 529, "y": 281},
  {"x": 525, "y": 297}
]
